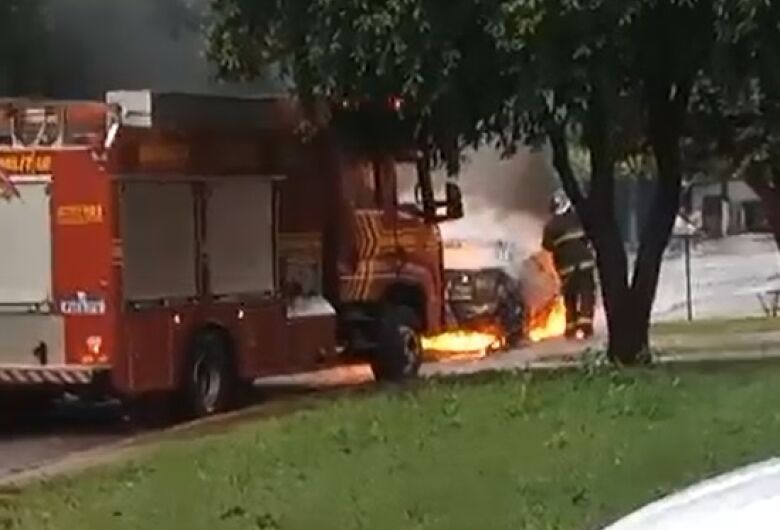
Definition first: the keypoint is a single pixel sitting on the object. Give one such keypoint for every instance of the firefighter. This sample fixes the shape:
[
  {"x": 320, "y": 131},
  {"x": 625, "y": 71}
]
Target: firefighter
[{"x": 565, "y": 238}]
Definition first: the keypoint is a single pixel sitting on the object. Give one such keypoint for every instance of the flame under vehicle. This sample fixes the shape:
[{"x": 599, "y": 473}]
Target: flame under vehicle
[
  {"x": 161, "y": 244},
  {"x": 490, "y": 292}
]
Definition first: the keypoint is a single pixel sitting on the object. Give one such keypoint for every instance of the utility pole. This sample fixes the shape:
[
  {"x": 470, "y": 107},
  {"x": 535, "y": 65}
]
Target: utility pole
[
  {"x": 688, "y": 293},
  {"x": 687, "y": 232}
]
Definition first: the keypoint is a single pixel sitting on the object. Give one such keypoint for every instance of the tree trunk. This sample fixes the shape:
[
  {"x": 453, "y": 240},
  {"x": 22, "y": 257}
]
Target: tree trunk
[
  {"x": 628, "y": 305},
  {"x": 770, "y": 198},
  {"x": 625, "y": 332},
  {"x": 772, "y": 207},
  {"x": 665, "y": 128},
  {"x": 597, "y": 212}
]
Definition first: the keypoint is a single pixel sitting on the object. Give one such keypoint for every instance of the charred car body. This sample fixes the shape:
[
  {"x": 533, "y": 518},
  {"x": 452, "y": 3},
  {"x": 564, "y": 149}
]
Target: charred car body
[
  {"x": 486, "y": 299},
  {"x": 480, "y": 292},
  {"x": 488, "y": 288}
]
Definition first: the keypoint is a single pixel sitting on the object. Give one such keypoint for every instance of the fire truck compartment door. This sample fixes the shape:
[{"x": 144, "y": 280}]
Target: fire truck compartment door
[
  {"x": 158, "y": 234},
  {"x": 25, "y": 246},
  {"x": 21, "y": 334},
  {"x": 240, "y": 236}
]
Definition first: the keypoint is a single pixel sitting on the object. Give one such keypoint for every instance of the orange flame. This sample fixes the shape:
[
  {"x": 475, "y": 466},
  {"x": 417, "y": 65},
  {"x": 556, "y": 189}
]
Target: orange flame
[
  {"x": 549, "y": 323},
  {"x": 462, "y": 343}
]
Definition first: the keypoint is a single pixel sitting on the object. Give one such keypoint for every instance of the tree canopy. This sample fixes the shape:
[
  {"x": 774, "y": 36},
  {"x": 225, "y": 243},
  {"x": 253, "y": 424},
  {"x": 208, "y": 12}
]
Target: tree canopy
[
  {"x": 614, "y": 76},
  {"x": 76, "y": 49},
  {"x": 734, "y": 126},
  {"x": 23, "y": 45}
]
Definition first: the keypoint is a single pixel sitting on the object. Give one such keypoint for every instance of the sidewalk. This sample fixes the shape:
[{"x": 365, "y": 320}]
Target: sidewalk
[
  {"x": 682, "y": 347},
  {"x": 766, "y": 342}
]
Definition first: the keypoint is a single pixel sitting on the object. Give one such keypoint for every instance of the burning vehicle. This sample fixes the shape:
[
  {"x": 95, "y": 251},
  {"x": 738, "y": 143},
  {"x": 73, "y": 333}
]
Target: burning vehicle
[
  {"x": 496, "y": 301},
  {"x": 546, "y": 314},
  {"x": 485, "y": 311}
]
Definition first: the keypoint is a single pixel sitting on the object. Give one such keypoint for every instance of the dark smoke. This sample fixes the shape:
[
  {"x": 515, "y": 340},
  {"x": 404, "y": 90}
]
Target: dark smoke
[{"x": 100, "y": 45}]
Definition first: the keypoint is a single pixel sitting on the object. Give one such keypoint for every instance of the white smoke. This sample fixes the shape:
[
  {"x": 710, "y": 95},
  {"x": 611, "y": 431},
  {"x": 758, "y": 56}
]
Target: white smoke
[
  {"x": 505, "y": 203},
  {"x": 513, "y": 235}
]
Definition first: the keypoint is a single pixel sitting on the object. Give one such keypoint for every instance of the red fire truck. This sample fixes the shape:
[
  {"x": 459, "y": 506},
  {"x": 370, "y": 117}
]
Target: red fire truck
[{"x": 161, "y": 244}]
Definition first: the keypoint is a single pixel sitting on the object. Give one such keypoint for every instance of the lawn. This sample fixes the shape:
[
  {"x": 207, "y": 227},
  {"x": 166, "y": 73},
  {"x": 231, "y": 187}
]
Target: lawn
[
  {"x": 560, "y": 451},
  {"x": 719, "y": 336},
  {"x": 720, "y": 326}
]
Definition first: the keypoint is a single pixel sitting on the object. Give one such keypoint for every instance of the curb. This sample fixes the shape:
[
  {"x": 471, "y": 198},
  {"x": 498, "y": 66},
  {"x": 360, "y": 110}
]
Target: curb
[{"x": 125, "y": 449}]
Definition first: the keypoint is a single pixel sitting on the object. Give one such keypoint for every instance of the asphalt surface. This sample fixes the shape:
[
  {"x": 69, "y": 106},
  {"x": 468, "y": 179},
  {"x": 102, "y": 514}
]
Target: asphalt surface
[
  {"x": 66, "y": 430},
  {"x": 73, "y": 429}
]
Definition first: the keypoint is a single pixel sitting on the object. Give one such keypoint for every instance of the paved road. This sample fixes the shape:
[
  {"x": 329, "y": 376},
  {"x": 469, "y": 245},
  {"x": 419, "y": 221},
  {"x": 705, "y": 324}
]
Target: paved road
[
  {"x": 72, "y": 429},
  {"x": 69, "y": 429}
]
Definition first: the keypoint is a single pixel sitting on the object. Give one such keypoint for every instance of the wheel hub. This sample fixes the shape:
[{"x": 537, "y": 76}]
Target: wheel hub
[
  {"x": 411, "y": 348},
  {"x": 208, "y": 381}
]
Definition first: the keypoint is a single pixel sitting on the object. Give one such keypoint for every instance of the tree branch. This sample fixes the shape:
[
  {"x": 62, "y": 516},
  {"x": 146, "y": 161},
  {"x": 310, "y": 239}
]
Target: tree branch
[
  {"x": 757, "y": 181},
  {"x": 665, "y": 127},
  {"x": 562, "y": 164}
]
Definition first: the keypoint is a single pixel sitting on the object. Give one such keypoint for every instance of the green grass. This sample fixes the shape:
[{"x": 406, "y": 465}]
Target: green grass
[
  {"x": 565, "y": 451},
  {"x": 717, "y": 326},
  {"x": 718, "y": 336}
]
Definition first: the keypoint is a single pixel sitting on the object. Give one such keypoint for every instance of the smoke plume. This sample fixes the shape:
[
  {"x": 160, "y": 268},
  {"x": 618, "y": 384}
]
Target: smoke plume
[
  {"x": 102, "y": 45},
  {"x": 505, "y": 199},
  {"x": 505, "y": 202}
]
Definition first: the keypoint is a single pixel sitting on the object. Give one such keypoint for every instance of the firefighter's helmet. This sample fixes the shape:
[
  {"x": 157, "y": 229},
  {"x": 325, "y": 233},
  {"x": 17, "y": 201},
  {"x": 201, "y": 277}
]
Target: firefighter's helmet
[{"x": 559, "y": 203}]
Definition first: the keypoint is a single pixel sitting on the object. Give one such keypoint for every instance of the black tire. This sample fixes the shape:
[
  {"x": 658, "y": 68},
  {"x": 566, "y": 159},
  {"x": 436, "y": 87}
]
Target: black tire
[
  {"x": 399, "y": 352},
  {"x": 516, "y": 325},
  {"x": 209, "y": 377}
]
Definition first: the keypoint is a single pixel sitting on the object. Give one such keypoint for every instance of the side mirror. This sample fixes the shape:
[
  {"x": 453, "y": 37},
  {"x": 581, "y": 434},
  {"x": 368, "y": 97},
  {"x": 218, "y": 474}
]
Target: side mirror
[{"x": 454, "y": 201}]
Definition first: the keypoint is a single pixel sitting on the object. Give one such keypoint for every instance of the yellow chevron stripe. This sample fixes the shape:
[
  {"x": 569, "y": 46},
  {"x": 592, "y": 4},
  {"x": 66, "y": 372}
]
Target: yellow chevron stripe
[
  {"x": 362, "y": 273},
  {"x": 377, "y": 235},
  {"x": 361, "y": 238},
  {"x": 353, "y": 288},
  {"x": 365, "y": 281}
]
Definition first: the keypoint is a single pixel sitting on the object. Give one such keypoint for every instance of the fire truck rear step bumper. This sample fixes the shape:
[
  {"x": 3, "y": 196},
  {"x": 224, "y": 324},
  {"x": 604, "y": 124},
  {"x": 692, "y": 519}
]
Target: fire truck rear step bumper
[{"x": 61, "y": 376}]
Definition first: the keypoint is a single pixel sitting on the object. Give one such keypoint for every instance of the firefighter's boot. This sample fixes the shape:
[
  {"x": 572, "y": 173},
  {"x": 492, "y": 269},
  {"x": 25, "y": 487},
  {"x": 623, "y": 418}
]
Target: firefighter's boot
[{"x": 585, "y": 330}]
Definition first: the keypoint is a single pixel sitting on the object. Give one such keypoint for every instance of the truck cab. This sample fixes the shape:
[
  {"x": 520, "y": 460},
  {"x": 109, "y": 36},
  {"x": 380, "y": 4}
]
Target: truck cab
[{"x": 347, "y": 238}]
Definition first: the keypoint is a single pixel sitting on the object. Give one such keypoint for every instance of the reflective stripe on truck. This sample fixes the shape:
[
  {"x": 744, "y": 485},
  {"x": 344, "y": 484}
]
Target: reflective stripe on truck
[{"x": 47, "y": 375}]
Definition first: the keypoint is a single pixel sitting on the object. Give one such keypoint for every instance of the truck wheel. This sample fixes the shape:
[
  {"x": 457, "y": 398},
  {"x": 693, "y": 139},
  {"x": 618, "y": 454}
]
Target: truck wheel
[
  {"x": 399, "y": 352},
  {"x": 209, "y": 375}
]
